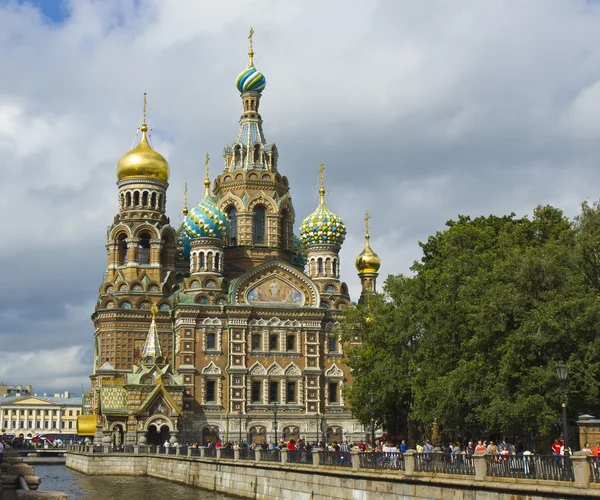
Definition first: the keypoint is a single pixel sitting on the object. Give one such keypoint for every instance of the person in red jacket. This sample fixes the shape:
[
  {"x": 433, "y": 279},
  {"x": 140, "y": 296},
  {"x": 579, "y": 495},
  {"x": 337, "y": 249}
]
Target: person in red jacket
[{"x": 291, "y": 445}]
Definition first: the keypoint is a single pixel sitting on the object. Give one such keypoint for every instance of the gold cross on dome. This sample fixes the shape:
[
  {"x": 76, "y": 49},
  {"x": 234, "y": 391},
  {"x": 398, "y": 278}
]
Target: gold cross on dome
[
  {"x": 251, "y": 51},
  {"x": 206, "y": 163},
  {"x": 322, "y": 175},
  {"x": 250, "y": 36},
  {"x": 367, "y": 217},
  {"x": 144, "y": 109}
]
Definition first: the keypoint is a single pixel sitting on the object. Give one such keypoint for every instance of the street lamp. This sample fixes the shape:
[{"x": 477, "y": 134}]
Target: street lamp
[
  {"x": 275, "y": 417},
  {"x": 561, "y": 371},
  {"x": 372, "y": 402},
  {"x": 240, "y": 415}
]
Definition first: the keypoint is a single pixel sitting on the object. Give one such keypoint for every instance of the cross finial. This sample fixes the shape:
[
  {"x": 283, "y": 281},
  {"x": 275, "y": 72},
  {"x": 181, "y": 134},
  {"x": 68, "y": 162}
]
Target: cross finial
[
  {"x": 184, "y": 210},
  {"x": 144, "y": 110},
  {"x": 251, "y": 51},
  {"x": 367, "y": 217},
  {"x": 207, "y": 179},
  {"x": 322, "y": 182}
]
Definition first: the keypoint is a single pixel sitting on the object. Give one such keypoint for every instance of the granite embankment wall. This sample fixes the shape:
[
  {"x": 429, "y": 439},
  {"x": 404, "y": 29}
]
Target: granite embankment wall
[{"x": 261, "y": 480}]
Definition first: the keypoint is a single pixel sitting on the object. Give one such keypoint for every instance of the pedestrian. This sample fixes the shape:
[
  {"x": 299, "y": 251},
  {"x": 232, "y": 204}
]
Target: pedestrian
[
  {"x": 403, "y": 446},
  {"x": 1, "y": 451}
]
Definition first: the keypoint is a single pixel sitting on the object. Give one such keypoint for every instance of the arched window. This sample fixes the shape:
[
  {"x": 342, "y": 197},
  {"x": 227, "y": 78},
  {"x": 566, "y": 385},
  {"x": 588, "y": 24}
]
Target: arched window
[
  {"x": 256, "y": 342},
  {"x": 144, "y": 248},
  {"x": 122, "y": 248},
  {"x": 217, "y": 262},
  {"x": 237, "y": 153},
  {"x": 145, "y": 198},
  {"x": 320, "y": 266},
  {"x": 259, "y": 225},
  {"x": 233, "y": 233},
  {"x": 136, "y": 198},
  {"x": 128, "y": 198},
  {"x": 256, "y": 154},
  {"x": 153, "y": 201},
  {"x": 334, "y": 268},
  {"x": 202, "y": 260}
]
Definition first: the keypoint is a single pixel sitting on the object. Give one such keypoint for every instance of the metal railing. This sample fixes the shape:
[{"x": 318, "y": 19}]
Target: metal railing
[
  {"x": 270, "y": 455},
  {"x": 445, "y": 464},
  {"x": 194, "y": 451},
  {"x": 247, "y": 454},
  {"x": 379, "y": 460},
  {"x": 299, "y": 457},
  {"x": 210, "y": 452},
  {"x": 227, "y": 453},
  {"x": 545, "y": 467},
  {"x": 336, "y": 458}
]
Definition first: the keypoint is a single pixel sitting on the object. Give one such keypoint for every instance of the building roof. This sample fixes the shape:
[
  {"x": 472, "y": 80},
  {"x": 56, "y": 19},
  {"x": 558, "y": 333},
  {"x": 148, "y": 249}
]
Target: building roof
[{"x": 31, "y": 399}]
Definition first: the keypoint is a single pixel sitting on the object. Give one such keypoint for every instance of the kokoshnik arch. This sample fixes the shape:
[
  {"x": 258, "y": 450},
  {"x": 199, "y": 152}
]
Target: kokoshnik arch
[{"x": 200, "y": 330}]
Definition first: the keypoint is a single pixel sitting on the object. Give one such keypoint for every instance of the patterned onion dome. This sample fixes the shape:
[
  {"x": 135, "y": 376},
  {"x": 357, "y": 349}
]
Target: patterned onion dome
[
  {"x": 206, "y": 220},
  {"x": 322, "y": 227},
  {"x": 142, "y": 161},
  {"x": 183, "y": 243},
  {"x": 251, "y": 79}
]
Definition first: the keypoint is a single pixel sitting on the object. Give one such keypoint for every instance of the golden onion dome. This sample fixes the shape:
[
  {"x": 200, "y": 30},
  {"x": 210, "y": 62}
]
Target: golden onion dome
[
  {"x": 367, "y": 261},
  {"x": 143, "y": 161}
]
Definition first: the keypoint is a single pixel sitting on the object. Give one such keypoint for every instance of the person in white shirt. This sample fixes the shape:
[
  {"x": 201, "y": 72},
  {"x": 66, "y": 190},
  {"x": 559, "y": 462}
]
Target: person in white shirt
[{"x": 166, "y": 444}]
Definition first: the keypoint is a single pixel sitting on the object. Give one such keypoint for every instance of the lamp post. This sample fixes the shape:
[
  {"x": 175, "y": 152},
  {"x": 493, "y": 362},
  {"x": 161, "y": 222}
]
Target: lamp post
[
  {"x": 318, "y": 417},
  {"x": 372, "y": 402},
  {"x": 275, "y": 417},
  {"x": 561, "y": 371},
  {"x": 240, "y": 438}
]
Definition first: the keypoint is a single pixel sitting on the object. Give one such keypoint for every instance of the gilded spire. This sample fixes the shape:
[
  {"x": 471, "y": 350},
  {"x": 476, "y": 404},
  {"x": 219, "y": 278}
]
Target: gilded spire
[
  {"x": 250, "y": 51},
  {"x": 184, "y": 210},
  {"x": 152, "y": 345},
  {"x": 207, "y": 179},
  {"x": 322, "y": 183}
]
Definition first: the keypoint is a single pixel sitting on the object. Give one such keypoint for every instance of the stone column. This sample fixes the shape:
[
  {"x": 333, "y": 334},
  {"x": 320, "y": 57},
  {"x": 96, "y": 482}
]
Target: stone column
[
  {"x": 257, "y": 454},
  {"x": 236, "y": 453},
  {"x": 284, "y": 456},
  {"x": 18, "y": 414},
  {"x": 132, "y": 246},
  {"x": 316, "y": 457},
  {"x": 42, "y": 419},
  {"x": 189, "y": 451},
  {"x": 410, "y": 457},
  {"x": 202, "y": 451},
  {"x": 59, "y": 423},
  {"x": 218, "y": 453},
  {"x": 581, "y": 468},
  {"x": 178, "y": 450},
  {"x": 10, "y": 419},
  {"x": 355, "y": 459},
  {"x": 479, "y": 461}
]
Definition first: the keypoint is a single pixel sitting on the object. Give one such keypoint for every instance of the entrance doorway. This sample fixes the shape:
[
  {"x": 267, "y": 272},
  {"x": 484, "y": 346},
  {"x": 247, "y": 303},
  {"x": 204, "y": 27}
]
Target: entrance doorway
[{"x": 158, "y": 436}]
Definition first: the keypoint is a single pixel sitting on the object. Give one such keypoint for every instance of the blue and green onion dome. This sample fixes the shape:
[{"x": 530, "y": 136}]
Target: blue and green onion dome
[
  {"x": 206, "y": 221},
  {"x": 251, "y": 79},
  {"x": 322, "y": 227},
  {"x": 183, "y": 243}
]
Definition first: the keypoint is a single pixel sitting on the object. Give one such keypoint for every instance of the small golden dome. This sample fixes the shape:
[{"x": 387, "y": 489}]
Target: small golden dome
[
  {"x": 367, "y": 261},
  {"x": 143, "y": 161}
]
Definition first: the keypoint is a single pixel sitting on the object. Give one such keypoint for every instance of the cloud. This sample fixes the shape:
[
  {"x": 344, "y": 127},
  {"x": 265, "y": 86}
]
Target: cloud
[{"x": 420, "y": 110}]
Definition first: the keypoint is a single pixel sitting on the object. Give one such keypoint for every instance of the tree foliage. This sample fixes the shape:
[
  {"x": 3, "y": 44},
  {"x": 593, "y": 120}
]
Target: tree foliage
[{"x": 472, "y": 339}]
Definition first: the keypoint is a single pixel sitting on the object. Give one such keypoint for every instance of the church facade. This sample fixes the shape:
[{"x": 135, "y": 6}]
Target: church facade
[{"x": 225, "y": 327}]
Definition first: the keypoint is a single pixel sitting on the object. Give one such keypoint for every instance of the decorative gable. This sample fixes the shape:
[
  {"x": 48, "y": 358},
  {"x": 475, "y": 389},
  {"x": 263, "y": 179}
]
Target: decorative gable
[
  {"x": 275, "y": 369},
  {"x": 275, "y": 283},
  {"x": 211, "y": 369},
  {"x": 334, "y": 372},
  {"x": 258, "y": 369},
  {"x": 293, "y": 370}
]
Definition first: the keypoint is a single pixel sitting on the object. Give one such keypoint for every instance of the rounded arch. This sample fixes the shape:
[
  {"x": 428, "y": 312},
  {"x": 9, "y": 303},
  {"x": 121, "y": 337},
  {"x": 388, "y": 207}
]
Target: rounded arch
[
  {"x": 159, "y": 421},
  {"x": 231, "y": 200},
  {"x": 262, "y": 199},
  {"x": 169, "y": 247},
  {"x": 119, "y": 229},
  {"x": 154, "y": 234}
]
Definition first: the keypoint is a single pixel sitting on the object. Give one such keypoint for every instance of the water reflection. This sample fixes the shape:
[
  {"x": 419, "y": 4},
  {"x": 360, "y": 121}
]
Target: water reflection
[{"x": 81, "y": 487}]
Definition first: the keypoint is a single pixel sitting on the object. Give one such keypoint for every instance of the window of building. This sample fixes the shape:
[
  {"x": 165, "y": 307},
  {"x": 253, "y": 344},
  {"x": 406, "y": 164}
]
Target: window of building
[
  {"x": 332, "y": 345},
  {"x": 144, "y": 248},
  {"x": 210, "y": 341},
  {"x": 290, "y": 343},
  {"x": 70, "y": 424},
  {"x": 210, "y": 390},
  {"x": 202, "y": 260},
  {"x": 286, "y": 236},
  {"x": 233, "y": 233},
  {"x": 273, "y": 392},
  {"x": 256, "y": 342},
  {"x": 319, "y": 265},
  {"x": 290, "y": 394},
  {"x": 333, "y": 392},
  {"x": 256, "y": 391},
  {"x": 122, "y": 248},
  {"x": 273, "y": 342},
  {"x": 259, "y": 225}
]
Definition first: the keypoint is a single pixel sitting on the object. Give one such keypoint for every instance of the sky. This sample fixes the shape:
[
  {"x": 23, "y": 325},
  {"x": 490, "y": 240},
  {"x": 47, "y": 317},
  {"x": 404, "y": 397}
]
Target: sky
[{"x": 421, "y": 111}]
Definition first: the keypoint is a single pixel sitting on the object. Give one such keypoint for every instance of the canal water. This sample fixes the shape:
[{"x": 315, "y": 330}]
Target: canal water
[{"x": 81, "y": 487}]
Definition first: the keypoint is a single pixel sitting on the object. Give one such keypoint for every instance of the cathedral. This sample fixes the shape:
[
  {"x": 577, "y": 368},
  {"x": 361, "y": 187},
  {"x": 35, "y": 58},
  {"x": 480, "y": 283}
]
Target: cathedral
[{"x": 225, "y": 327}]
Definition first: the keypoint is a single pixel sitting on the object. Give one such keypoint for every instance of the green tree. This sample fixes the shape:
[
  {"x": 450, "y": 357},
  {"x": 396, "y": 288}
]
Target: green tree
[{"x": 472, "y": 339}]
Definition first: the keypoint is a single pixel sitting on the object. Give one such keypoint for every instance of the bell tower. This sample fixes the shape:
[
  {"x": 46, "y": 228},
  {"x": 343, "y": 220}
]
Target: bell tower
[{"x": 141, "y": 251}]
